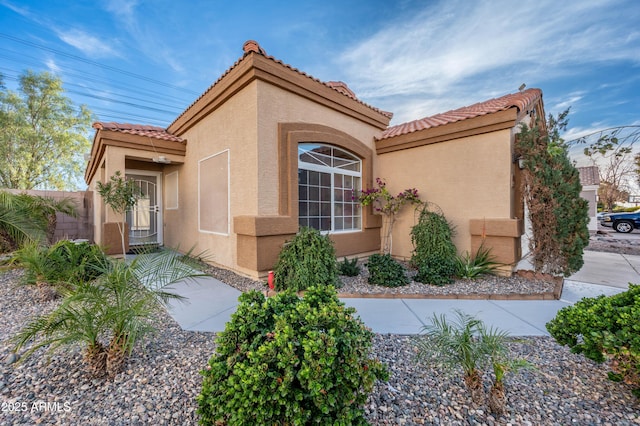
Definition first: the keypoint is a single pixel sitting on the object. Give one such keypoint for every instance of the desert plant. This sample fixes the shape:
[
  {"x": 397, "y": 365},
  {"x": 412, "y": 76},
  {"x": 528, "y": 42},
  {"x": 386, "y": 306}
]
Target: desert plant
[
  {"x": 17, "y": 224},
  {"x": 455, "y": 345},
  {"x": 118, "y": 306},
  {"x": 71, "y": 262},
  {"x": 348, "y": 267},
  {"x": 389, "y": 206},
  {"x": 482, "y": 263},
  {"x": 434, "y": 253},
  {"x": 44, "y": 210},
  {"x": 34, "y": 258},
  {"x": 308, "y": 259},
  {"x": 386, "y": 271},
  {"x": 604, "y": 328},
  {"x": 502, "y": 362},
  {"x": 58, "y": 268},
  {"x": 288, "y": 360},
  {"x": 121, "y": 194}
]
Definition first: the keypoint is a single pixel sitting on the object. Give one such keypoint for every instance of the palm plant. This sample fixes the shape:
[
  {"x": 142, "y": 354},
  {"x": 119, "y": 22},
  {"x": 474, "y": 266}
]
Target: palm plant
[
  {"x": 44, "y": 209},
  {"x": 35, "y": 260},
  {"x": 118, "y": 307},
  {"x": 502, "y": 362},
  {"x": 16, "y": 223},
  {"x": 79, "y": 319},
  {"x": 457, "y": 344}
]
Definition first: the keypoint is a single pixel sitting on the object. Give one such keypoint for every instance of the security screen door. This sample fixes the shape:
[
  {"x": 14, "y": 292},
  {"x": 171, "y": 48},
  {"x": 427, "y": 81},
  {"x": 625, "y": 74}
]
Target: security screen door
[{"x": 145, "y": 218}]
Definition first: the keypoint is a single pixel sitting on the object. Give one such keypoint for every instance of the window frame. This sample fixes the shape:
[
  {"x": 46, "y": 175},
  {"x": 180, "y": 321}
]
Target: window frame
[{"x": 333, "y": 171}]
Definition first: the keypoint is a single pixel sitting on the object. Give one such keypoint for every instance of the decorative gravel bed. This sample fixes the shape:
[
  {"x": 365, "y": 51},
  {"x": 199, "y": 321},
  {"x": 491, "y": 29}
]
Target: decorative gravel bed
[
  {"x": 358, "y": 285},
  {"x": 162, "y": 380}
]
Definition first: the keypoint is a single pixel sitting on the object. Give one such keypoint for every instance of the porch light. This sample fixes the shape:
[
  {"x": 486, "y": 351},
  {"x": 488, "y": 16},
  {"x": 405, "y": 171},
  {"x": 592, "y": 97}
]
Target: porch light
[
  {"x": 520, "y": 160},
  {"x": 161, "y": 160}
]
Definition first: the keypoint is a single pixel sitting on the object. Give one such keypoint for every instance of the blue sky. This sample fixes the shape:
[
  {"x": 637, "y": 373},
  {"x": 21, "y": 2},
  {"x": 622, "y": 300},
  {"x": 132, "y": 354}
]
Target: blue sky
[{"x": 145, "y": 61}]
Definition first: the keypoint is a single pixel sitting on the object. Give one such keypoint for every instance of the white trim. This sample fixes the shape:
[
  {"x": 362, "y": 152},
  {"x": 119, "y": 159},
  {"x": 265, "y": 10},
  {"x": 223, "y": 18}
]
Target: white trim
[{"x": 228, "y": 152}]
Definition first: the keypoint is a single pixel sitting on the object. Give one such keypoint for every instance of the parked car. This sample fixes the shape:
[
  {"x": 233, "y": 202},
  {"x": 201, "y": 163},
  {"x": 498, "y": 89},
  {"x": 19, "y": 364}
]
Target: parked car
[{"x": 622, "y": 222}]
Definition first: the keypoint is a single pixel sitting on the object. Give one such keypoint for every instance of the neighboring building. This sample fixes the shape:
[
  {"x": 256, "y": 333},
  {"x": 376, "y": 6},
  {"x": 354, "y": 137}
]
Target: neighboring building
[
  {"x": 590, "y": 180},
  {"x": 268, "y": 148}
]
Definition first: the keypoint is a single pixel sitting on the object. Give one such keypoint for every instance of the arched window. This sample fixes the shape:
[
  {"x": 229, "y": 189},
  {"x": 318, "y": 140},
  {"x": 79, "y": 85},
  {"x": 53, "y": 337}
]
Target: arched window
[{"x": 328, "y": 178}]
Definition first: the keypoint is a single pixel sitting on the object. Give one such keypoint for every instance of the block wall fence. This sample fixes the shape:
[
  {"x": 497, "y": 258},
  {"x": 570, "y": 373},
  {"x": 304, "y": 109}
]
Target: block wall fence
[{"x": 68, "y": 227}]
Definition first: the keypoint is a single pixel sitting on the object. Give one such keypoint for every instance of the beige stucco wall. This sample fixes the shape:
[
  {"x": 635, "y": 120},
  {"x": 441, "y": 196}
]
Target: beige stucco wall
[
  {"x": 246, "y": 125},
  {"x": 469, "y": 178},
  {"x": 230, "y": 127}
]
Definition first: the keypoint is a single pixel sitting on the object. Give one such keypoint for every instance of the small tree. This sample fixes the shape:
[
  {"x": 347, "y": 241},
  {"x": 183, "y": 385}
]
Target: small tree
[
  {"x": 558, "y": 214},
  {"x": 388, "y": 205},
  {"x": 121, "y": 194},
  {"x": 42, "y": 134}
]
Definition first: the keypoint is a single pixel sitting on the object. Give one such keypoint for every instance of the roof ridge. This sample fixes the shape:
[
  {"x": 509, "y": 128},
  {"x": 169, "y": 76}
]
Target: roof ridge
[{"x": 252, "y": 47}]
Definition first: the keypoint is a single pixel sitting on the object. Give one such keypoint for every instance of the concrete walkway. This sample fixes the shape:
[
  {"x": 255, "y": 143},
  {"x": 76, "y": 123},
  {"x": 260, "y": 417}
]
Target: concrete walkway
[{"x": 212, "y": 302}]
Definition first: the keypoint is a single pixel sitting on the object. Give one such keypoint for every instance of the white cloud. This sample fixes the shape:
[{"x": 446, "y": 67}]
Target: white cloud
[
  {"x": 461, "y": 52},
  {"x": 52, "y": 66},
  {"x": 86, "y": 43},
  {"x": 147, "y": 38}
]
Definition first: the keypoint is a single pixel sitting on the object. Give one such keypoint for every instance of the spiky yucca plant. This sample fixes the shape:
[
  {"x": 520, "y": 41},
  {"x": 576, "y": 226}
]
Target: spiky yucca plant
[{"x": 118, "y": 305}]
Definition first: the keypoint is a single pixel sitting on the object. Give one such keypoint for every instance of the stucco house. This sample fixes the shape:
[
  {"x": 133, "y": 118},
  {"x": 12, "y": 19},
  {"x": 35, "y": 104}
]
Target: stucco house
[{"x": 268, "y": 148}]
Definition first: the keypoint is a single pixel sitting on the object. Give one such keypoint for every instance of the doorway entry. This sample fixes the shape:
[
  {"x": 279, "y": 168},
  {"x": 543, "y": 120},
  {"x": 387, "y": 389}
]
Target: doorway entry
[{"x": 145, "y": 218}]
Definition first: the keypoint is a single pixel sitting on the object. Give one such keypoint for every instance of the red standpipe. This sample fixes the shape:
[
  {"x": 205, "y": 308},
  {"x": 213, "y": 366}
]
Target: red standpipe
[{"x": 270, "y": 280}]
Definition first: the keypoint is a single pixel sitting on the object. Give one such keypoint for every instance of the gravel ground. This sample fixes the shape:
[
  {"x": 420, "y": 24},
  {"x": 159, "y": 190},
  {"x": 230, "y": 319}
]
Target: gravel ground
[
  {"x": 162, "y": 381},
  {"x": 358, "y": 285}
]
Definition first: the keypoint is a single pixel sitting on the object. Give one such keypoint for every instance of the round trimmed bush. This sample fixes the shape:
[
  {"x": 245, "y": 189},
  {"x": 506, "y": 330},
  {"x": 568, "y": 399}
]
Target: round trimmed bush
[
  {"x": 386, "y": 271},
  {"x": 308, "y": 259},
  {"x": 290, "y": 360}
]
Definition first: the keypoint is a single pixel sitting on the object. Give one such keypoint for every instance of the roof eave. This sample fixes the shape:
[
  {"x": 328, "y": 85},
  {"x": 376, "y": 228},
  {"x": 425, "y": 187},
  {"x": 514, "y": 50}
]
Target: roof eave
[{"x": 500, "y": 120}]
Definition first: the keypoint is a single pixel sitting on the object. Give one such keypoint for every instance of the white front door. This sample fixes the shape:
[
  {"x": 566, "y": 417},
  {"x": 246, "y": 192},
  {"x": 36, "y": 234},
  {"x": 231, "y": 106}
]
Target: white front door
[{"x": 145, "y": 218}]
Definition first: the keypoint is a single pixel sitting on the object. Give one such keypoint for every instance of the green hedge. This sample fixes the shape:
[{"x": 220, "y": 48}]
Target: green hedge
[
  {"x": 604, "y": 328},
  {"x": 287, "y": 360}
]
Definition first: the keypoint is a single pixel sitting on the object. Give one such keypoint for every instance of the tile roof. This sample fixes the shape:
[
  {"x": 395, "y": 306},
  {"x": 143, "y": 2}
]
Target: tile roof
[
  {"x": 589, "y": 175},
  {"x": 251, "y": 46},
  {"x": 521, "y": 100},
  {"x": 138, "y": 129}
]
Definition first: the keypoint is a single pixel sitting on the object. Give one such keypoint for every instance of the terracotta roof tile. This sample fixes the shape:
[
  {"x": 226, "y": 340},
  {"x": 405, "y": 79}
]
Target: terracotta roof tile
[
  {"x": 521, "y": 100},
  {"x": 138, "y": 129},
  {"x": 589, "y": 175},
  {"x": 251, "y": 47}
]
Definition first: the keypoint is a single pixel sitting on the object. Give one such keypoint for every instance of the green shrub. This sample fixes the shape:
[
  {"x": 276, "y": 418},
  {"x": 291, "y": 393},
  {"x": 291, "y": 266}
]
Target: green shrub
[
  {"x": 348, "y": 267},
  {"x": 434, "y": 253},
  {"x": 62, "y": 265},
  {"x": 287, "y": 360},
  {"x": 308, "y": 259},
  {"x": 385, "y": 271},
  {"x": 481, "y": 264},
  {"x": 604, "y": 328},
  {"x": 72, "y": 262},
  {"x": 437, "y": 269}
]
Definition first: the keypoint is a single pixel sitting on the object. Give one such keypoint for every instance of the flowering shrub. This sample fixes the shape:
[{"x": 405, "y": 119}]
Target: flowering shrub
[{"x": 383, "y": 202}]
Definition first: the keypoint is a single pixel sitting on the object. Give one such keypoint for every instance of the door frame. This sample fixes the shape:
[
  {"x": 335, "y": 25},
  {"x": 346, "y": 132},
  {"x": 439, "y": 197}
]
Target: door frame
[{"x": 159, "y": 190}]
